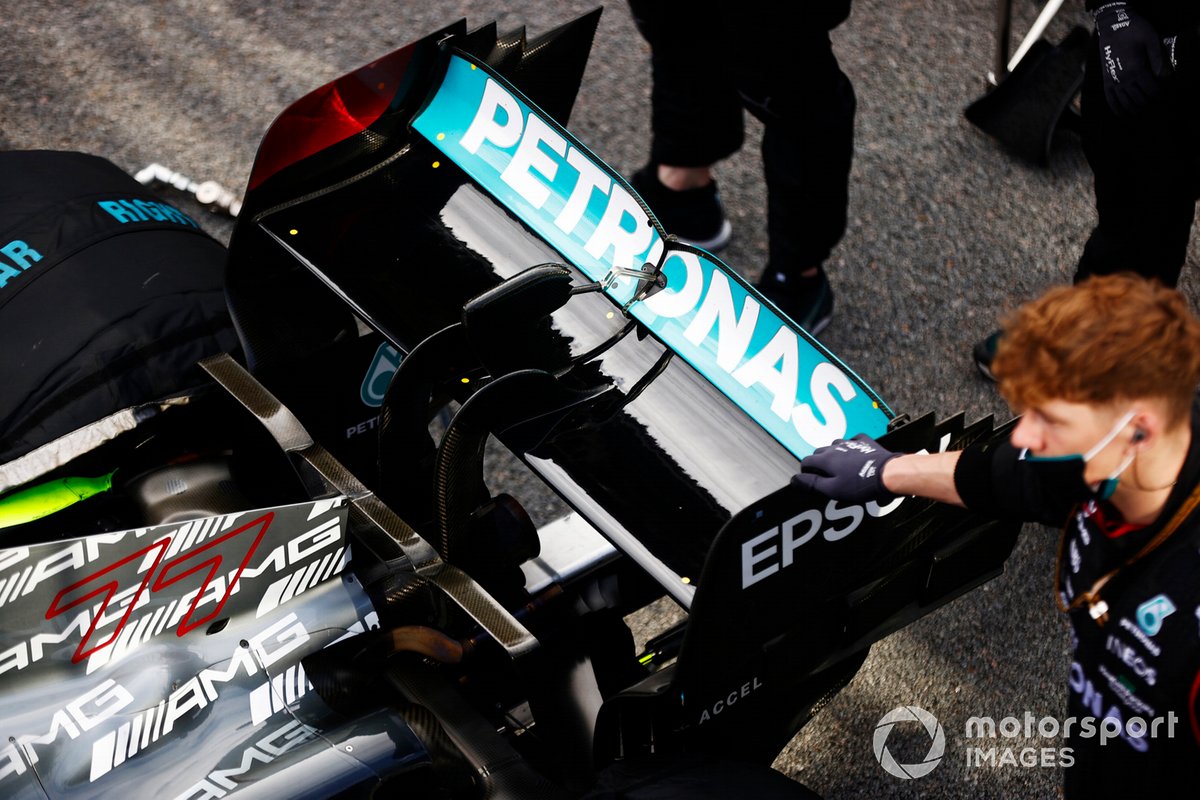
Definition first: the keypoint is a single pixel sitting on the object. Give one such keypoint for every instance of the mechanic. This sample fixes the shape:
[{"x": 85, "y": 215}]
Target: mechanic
[
  {"x": 1141, "y": 135},
  {"x": 1104, "y": 373},
  {"x": 710, "y": 61}
]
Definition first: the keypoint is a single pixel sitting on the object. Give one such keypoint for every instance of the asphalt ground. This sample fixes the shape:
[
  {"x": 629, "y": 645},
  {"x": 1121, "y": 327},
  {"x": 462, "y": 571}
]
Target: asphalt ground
[{"x": 946, "y": 232}]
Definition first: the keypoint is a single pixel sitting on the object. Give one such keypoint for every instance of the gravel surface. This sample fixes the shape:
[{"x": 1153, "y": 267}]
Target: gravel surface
[{"x": 946, "y": 232}]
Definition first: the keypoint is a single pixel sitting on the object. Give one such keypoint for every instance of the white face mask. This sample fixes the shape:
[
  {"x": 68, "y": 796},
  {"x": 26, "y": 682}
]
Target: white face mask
[
  {"x": 1109, "y": 485},
  {"x": 1104, "y": 489}
]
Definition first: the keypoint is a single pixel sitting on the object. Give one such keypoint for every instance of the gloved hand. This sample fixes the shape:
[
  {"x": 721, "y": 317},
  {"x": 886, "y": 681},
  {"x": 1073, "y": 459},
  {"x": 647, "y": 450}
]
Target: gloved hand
[
  {"x": 1169, "y": 46},
  {"x": 1132, "y": 56},
  {"x": 848, "y": 469},
  {"x": 1180, "y": 49}
]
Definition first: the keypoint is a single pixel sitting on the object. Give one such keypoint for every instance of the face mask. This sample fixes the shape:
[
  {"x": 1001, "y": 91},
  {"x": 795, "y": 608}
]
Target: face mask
[{"x": 1063, "y": 475}]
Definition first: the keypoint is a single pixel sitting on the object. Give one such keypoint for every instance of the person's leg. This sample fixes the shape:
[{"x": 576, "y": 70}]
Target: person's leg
[
  {"x": 695, "y": 114},
  {"x": 1145, "y": 180},
  {"x": 807, "y": 105},
  {"x": 696, "y": 118},
  {"x": 807, "y": 152}
]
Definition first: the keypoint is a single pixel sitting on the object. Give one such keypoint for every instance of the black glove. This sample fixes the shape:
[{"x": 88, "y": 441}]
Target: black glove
[
  {"x": 1132, "y": 57},
  {"x": 1169, "y": 44},
  {"x": 848, "y": 469},
  {"x": 1180, "y": 48}
]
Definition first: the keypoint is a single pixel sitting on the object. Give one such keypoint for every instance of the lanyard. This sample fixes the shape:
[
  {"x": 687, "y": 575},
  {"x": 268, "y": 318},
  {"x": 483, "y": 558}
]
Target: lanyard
[{"x": 1097, "y": 608}]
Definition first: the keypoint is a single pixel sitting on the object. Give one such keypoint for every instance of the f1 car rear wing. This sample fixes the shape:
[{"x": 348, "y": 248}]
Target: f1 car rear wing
[
  {"x": 768, "y": 366},
  {"x": 683, "y": 397}
]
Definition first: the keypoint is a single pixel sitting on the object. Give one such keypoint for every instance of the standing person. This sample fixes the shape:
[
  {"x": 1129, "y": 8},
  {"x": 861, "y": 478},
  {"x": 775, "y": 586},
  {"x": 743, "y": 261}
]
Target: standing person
[
  {"x": 1141, "y": 135},
  {"x": 711, "y": 61},
  {"x": 1105, "y": 373}
]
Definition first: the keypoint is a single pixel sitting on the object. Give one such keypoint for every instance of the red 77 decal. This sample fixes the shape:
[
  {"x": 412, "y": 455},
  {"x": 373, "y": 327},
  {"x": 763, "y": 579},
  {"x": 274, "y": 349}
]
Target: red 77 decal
[
  {"x": 181, "y": 567},
  {"x": 108, "y": 588},
  {"x": 105, "y": 582}
]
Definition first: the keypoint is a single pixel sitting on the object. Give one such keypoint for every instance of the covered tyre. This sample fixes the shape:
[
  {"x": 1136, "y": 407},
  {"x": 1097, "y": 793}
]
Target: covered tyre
[{"x": 108, "y": 296}]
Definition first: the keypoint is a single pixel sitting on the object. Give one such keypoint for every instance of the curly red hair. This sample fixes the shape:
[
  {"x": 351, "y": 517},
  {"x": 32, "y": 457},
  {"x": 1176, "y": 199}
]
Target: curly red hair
[{"x": 1108, "y": 338}]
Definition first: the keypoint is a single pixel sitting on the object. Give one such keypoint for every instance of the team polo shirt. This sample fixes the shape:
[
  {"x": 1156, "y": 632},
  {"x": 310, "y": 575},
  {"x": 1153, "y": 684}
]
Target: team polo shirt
[{"x": 1134, "y": 678}]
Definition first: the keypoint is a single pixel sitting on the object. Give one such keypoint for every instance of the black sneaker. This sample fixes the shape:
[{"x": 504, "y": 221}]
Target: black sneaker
[
  {"x": 984, "y": 353},
  {"x": 807, "y": 301},
  {"x": 696, "y": 216}
]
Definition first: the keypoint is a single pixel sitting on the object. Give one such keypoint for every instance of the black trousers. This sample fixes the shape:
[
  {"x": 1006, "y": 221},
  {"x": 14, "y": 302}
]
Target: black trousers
[
  {"x": 1147, "y": 173},
  {"x": 711, "y": 61}
]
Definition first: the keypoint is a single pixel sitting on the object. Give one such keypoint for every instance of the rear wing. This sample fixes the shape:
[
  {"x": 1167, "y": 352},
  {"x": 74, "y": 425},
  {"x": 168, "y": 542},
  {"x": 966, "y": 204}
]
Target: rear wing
[
  {"x": 768, "y": 366},
  {"x": 675, "y": 397}
]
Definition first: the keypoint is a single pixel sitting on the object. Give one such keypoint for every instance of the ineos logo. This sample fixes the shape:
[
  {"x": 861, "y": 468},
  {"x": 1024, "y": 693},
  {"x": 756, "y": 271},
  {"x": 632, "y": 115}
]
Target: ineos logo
[{"x": 932, "y": 727}]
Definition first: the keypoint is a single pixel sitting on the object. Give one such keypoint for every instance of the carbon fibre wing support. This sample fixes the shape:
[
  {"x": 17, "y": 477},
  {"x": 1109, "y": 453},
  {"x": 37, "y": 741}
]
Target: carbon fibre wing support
[{"x": 324, "y": 475}]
